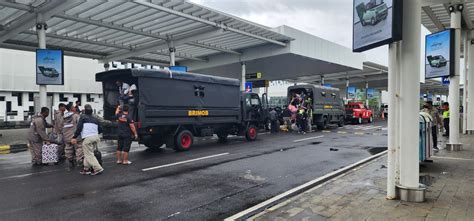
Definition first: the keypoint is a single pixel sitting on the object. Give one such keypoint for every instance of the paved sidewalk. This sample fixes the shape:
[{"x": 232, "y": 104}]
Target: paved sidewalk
[{"x": 360, "y": 195}]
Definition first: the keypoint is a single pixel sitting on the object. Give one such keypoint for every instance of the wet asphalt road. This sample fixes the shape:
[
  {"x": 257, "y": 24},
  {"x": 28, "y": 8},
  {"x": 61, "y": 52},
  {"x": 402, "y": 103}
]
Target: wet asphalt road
[{"x": 229, "y": 177}]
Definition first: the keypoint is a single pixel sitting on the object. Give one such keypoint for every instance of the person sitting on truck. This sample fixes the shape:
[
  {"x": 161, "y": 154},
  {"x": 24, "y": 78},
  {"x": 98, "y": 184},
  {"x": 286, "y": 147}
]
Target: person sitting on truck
[
  {"x": 123, "y": 92},
  {"x": 126, "y": 127}
]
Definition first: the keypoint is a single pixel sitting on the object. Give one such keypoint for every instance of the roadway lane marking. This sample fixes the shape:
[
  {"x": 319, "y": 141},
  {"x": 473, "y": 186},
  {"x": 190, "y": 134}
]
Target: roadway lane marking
[
  {"x": 28, "y": 174},
  {"x": 183, "y": 162},
  {"x": 342, "y": 132},
  {"x": 309, "y": 138}
]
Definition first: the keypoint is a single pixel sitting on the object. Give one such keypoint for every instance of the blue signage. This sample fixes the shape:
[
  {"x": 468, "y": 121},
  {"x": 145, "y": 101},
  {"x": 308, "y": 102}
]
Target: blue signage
[
  {"x": 327, "y": 85},
  {"x": 370, "y": 93},
  {"x": 351, "y": 92},
  {"x": 445, "y": 80},
  {"x": 179, "y": 68},
  {"x": 439, "y": 50},
  {"x": 49, "y": 67},
  {"x": 248, "y": 86}
]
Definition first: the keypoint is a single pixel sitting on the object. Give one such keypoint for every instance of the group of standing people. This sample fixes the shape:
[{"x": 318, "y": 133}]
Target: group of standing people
[
  {"x": 437, "y": 121},
  {"x": 75, "y": 133},
  {"x": 299, "y": 112}
]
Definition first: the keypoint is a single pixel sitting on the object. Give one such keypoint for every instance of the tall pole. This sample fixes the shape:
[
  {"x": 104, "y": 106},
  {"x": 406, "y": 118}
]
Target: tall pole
[
  {"x": 322, "y": 80},
  {"x": 470, "y": 86},
  {"x": 465, "y": 83},
  {"x": 41, "y": 33},
  {"x": 347, "y": 88},
  {"x": 366, "y": 93},
  {"x": 409, "y": 96},
  {"x": 453, "y": 98},
  {"x": 172, "y": 50},
  {"x": 393, "y": 78},
  {"x": 242, "y": 82}
]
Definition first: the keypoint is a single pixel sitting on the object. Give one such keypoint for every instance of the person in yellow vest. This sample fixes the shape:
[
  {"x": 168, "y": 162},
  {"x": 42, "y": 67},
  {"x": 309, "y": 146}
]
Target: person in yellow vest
[{"x": 446, "y": 119}]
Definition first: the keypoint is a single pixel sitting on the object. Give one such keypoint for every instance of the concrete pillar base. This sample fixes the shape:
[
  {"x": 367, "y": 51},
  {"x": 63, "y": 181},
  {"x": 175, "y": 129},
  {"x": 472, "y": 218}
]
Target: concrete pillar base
[
  {"x": 453, "y": 147},
  {"x": 414, "y": 195}
]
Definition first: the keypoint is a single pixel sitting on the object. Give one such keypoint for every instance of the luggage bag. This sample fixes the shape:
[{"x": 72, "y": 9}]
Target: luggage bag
[{"x": 49, "y": 153}]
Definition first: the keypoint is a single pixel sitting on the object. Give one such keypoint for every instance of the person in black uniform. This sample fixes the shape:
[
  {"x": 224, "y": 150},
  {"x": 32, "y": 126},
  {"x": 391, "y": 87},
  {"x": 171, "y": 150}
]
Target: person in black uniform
[{"x": 126, "y": 128}]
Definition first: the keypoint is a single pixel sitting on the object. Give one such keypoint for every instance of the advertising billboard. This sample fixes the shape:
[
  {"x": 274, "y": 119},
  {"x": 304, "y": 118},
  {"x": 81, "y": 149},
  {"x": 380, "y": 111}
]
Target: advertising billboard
[
  {"x": 179, "y": 68},
  {"x": 49, "y": 67},
  {"x": 248, "y": 86},
  {"x": 351, "y": 92},
  {"x": 439, "y": 50},
  {"x": 370, "y": 93},
  {"x": 375, "y": 23}
]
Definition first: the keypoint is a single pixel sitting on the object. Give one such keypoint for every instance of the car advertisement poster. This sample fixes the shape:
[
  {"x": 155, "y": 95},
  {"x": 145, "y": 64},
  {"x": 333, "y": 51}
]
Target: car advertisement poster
[
  {"x": 49, "y": 67},
  {"x": 375, "y": 23},
  {"x": 351, "y": 92},
  {"x": 438, "y": 51}
]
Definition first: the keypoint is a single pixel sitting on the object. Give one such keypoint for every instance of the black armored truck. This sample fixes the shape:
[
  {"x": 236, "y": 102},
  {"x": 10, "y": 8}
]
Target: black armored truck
[
  {"x": 173, "y": 107},
  {"x": 326, "y": 103}
]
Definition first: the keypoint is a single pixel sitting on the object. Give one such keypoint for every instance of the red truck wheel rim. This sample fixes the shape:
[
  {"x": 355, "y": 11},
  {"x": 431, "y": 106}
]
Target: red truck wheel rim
[
  {"x": 186, "y": 141},
  {"x": 252, "y": 133}
]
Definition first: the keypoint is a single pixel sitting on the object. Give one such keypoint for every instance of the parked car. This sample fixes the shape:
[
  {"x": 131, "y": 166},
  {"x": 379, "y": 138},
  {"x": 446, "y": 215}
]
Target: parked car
[
  {"x": 357, "y": 113},
  {"x": 372, "y": 13},
  {"x": 437, "y": 61}
]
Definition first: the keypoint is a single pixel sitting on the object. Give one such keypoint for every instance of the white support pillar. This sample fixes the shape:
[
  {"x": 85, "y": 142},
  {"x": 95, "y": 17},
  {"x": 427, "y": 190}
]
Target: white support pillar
[
  {"x": 242, "y": 81},
  {"x": 322, "y": 80},
  {"x": 366, "y": 93},
  {"x": 465, "y": 83},
  {"x": 409, "y": 96},
  {"x": 172, "y": 51},
  {"x": 393, "y": 104},
  {"x": 347, "y": 88},
  {"x": 453, "y": 99},
  {"x": 470, "y": 86},
  {"x": 41, "y": 33}
]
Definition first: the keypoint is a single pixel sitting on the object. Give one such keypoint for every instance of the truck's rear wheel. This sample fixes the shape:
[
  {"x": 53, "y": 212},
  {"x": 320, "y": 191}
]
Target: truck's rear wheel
[
  {"x": 222, "y": 137},
  {"x": 251, "y": 133},
  {"x": 153, "y": 142},
  {"x": 184, "y": 140},
  {"x": 341, "y": 121}
]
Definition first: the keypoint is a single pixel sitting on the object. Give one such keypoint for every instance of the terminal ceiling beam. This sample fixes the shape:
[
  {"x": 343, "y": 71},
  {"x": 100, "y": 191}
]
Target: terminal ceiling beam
[
  {"x": 17, "y": 6},
  {"x": 138, "y": 32},
  {"x": 432, "y": 16},
  {"x": 207, "y": 22},
  {"x": 111, "y": 26},
  {"x": 213, "y": 47},
  {"x": 179, "y": 55},
  {"x": 94, "y": 42},
  {"x": 48, "y": 10},
  {"x": 160, "y": 46}
]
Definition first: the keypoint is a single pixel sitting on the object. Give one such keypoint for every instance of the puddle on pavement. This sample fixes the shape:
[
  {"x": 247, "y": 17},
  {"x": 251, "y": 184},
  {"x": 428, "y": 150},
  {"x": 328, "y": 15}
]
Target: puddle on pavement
[
  {"x": 376, "y": 150},
  {"x": 427, "y": 180}
]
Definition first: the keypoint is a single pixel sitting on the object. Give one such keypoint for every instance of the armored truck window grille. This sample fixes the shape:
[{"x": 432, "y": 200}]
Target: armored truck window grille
[{"x": 199, "y": 91}]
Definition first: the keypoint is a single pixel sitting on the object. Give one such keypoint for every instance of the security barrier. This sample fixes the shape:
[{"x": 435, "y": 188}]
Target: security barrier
[{"x": 426, "y": 137}]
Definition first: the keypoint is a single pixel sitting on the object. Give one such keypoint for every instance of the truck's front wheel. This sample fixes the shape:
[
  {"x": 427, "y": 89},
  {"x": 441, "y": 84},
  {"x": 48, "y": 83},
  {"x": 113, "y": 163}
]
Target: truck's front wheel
[
  {"x": 184, "y": 140},
  {"x": 222, "y": 137},
  {"x": 251, "y": 133}
]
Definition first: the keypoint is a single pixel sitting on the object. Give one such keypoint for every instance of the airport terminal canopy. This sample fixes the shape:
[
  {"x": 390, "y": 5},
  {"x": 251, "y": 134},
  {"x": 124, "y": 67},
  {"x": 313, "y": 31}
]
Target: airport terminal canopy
[
  {"x": 131, "y": 31},
  {"x": 144, "y": 32}
]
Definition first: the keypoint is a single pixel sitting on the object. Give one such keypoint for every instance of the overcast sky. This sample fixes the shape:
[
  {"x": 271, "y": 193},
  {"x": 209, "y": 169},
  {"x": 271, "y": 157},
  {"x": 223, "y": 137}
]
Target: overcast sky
[{"x": 331, "y": 20}]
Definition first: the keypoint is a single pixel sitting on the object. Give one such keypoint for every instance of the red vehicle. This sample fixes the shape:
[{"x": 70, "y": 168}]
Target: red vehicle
[{"x": 357, "y": 112}]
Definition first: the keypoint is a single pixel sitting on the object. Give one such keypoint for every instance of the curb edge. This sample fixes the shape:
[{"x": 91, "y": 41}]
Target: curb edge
[{"x": 245, "y": 214}]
